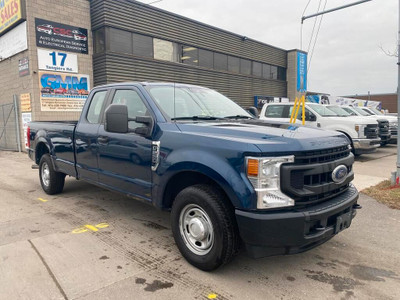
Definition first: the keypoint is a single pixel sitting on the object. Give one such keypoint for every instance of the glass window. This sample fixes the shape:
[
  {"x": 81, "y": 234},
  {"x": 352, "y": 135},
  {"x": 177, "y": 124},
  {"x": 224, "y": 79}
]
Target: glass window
[
  {"x": 99, "y": 41},
  {"x": 274, "y": 111},
  {"x": 135, "y": 105},
  {"x": 323, "y": 110},
  {"x": 340, "y": 111},
  {"x": 220, "y": 62},
  {"x": 274, "y": 72},
  {"x": 142, "y": 45},
  {"x": 307, "y": 113},
  {"x": 206, "y": 59},
  {"x": 281, "y": 73},
  {"x": 120, "y": 41},
  {"x": 257, "y": 69},
  {"x": 266, "y": 71},
  {"x": 233, "y": 64},
  {"x": 245, "y": 66},
  {"x": 190, "y": 55},
  {"x": 165, "y": 50},
  {"x": 93, "y": 115}
]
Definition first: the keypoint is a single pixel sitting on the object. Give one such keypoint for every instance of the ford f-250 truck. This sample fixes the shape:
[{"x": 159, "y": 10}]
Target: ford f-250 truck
[{"x": 227, "y": 177}]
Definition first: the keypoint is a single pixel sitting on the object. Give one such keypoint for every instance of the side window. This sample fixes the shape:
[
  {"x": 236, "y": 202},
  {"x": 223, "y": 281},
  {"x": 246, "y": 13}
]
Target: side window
[
  {"x": 135, "y": 105},
  {"x": 308, "y": 113},
  {"x": 274, "y": 111},
  {"x": 93, "y": 115}
]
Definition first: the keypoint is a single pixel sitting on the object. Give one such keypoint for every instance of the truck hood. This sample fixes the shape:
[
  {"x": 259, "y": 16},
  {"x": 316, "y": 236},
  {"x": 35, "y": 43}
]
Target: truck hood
[{"x": 266, "y": 136}]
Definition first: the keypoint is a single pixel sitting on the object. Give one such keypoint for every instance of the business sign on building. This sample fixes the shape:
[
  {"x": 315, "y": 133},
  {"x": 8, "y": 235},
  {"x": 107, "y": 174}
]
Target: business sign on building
[
  {"x": 23, "y": 67},
  {"x": 13, "y": 42},
  {"x": 259, "y": 101},
  {"x": 26, "y": 117},
  {"x": 25, "y": 102},
  {"x": 63, "y": 91},
  {"x": 57, "y": 61},
  {"x": 61, "y": 37},
  {"x": 301, "y": 72},
  {"x": 11, "y": 14}
]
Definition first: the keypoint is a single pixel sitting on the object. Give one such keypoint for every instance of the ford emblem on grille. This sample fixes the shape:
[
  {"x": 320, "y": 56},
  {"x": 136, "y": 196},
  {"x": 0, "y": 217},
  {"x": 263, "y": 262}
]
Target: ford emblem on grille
[{"x": 339, "y": 174}]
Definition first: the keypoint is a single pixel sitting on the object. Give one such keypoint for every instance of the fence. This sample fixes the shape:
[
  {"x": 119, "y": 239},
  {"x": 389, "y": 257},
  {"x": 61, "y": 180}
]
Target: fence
[{"x": 9, "y": 127}]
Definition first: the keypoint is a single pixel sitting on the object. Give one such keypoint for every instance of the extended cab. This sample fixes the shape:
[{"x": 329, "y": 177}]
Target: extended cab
[
  {"x": 226, "y": 176},
  {"x": 362, "y": 133}
]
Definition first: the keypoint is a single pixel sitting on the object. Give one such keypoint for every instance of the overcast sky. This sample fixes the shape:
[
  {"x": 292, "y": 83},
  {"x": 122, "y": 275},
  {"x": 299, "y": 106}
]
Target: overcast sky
[{"x": 347, "y": 58}]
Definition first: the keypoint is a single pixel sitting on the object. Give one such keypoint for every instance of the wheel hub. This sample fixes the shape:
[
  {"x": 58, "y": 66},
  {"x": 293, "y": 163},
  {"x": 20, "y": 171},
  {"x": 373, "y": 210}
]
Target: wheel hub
[{"x": 197, "y": 229}]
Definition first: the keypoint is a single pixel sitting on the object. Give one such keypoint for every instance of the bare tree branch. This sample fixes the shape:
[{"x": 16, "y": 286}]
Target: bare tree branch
[{"x": 395, "y": 53}]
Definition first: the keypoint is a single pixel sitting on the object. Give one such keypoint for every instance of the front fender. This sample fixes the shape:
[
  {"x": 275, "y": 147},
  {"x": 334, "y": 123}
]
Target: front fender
[{"x": 227, "y": 173}]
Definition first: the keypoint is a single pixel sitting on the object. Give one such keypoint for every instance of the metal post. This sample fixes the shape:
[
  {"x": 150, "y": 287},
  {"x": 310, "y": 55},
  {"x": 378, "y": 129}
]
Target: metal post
[
  {"x": 18, "y": 135},
  {"x": 398, "y": 101}
]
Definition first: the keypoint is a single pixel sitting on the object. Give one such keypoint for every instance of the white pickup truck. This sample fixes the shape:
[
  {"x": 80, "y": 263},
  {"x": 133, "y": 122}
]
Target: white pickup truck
[{"x": 362, "y": 133}]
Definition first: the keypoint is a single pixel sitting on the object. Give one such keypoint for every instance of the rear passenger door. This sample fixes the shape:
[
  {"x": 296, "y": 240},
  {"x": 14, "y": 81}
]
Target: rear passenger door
[
  {"x": 125, "y": 158},
  {"x": 276, "y": 112},
  {"x": 86, "y": 147}
]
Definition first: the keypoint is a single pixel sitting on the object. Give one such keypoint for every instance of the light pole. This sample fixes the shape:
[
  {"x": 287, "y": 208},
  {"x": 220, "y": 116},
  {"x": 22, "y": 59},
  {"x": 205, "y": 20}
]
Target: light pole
[{"x": 398, "y": 102}]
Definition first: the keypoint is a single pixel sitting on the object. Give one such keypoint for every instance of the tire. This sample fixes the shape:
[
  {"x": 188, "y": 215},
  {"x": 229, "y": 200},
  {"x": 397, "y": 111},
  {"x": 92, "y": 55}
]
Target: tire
[
  {"x": 204, "y": 227},
  {"x": 52, "y": 182}
]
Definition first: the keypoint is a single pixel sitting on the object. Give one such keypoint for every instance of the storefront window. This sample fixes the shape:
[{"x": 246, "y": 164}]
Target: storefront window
[
  {"x": 233, "y": 64},
  {"x": 206, "y": 59},
  {"x": 190, "y": 55},
  {"x": 245, "y": 66},
  {"x": 120, "y": 41},
  {"x": 257, "y": 69},
  {"x": 266, "y": 71},
  {"x": 220, "y": 62},
  {"x": 274, "y": 72},
  {"x": 165, "y": 50},
  {"x": 142, "y": 45},
  {"x": 281, "y": 73},
  {"x": 99, "y": 41}
]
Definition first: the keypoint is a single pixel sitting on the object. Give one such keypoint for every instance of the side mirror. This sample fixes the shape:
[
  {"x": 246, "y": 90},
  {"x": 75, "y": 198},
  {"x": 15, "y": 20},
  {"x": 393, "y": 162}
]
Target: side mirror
[
  {"x": 312, "y": 118},
  {"x": 253, "y": 111},
  {"x": 117, "y": 121},
  {"x": 116, "y": 118}
]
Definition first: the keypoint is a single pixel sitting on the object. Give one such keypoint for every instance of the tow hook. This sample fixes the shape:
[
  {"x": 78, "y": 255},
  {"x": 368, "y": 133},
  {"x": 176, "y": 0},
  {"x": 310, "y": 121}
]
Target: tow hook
[{"x": 357, "y": 206}]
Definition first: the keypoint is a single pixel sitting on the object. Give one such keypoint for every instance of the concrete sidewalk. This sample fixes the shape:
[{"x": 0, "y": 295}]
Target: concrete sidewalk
[{"x": 370, "y": 169}]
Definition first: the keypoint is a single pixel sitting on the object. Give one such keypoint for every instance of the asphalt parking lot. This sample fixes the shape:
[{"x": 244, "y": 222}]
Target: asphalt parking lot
[{"x": 89, "y": 243}]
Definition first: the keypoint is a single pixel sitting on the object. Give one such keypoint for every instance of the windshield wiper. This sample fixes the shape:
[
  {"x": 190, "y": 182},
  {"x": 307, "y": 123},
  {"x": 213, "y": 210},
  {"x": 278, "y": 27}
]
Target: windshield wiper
[
  {"x": 238, "y": 117},
  {"x": 197, "y": 118}
]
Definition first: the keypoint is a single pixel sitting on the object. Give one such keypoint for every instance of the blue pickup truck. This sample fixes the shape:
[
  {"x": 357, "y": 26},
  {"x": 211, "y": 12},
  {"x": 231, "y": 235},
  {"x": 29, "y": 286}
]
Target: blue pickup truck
[{"x": 228, "y": 178}]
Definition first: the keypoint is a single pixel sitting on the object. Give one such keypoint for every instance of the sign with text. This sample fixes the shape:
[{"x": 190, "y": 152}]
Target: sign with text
[
  {"x": 63, "y": 91},
  {"x": 301, "y": 72},
  {"x": 13, "y": 42},
  {"x": 57, "y": 61},
  {"x": 25, "y": 102},
  {"x": 10, "y": 14},
  {"x": 259, "y": 101},
  {"x": 23, "y": 67},
  {"x": 26, "y": 118},
  {"x": 61, "y": 37}
]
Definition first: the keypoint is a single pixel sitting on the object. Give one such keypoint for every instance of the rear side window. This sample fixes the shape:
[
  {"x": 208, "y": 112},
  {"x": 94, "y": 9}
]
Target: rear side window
[
  {"x": 93, "y": 115},
  {"x": 274, "y": 111}
]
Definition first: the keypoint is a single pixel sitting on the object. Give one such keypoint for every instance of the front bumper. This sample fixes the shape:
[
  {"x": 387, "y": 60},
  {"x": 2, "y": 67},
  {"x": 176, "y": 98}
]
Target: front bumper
[
  {"x": 363, "y": 146},
  {"x": 290, "y": 232}
]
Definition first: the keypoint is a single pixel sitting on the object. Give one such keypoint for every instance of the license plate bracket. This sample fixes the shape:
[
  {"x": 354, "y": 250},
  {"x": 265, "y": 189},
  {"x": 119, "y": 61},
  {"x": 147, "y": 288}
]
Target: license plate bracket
[{"x": 342, "y": 222}]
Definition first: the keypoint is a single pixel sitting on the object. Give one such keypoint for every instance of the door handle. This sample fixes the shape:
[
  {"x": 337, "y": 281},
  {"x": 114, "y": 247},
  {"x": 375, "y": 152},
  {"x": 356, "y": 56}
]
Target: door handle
[{"x": 103, "y": 140}]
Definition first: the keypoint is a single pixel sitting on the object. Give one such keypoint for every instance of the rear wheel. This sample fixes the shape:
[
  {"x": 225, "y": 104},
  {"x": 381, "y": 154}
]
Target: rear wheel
[
  {"x": 52, "y": 182},
  {"x": 204, "y": 227}
]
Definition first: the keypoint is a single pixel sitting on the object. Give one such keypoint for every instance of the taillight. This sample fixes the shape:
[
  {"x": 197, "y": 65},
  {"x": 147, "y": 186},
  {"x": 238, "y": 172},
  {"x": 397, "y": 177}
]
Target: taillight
[{"x": 28, "y": 137}]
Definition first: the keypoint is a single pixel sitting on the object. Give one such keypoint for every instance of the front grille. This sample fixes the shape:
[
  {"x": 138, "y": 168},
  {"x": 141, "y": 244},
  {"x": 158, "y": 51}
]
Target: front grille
[
  {"x": 321, "y": 156},
  {"x": 371, "y": 131},
  {"x": 383, "y": 128},
  {"x": 309, "y": 180},
  {"x": 393, "y": 130}
]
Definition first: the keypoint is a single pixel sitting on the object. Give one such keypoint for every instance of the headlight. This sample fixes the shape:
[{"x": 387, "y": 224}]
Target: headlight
[
  {"x": 360, "y": 130},
  {"x": 264, "y": 175}
]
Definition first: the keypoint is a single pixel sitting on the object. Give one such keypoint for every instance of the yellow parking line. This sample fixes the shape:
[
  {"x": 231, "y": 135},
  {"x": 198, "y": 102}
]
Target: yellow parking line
[
  {"x": 212, "y": 296},
  {"x": 43, "y": 200},
  {"x": 91, "y": 227}
]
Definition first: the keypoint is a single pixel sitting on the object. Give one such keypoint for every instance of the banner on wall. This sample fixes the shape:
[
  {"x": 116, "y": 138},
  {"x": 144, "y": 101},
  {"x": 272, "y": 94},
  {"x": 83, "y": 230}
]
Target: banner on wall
[
  {"x": 324, "y": 99},
  {"x": 11, "y": 14},
  {"x": 63, "y": 91},
  {"x": 13, "y": 42}
]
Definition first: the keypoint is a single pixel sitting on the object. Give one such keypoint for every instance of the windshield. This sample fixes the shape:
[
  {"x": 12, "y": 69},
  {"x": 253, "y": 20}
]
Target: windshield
[
  {"x": 323, "y": 110},
  {"x": 340, "y": 111},
  {"x": 361, "y": 111},
  {"x": 350, "y": 111},
  {"x": 182, "y": 102},
  {"x": 378, "y": 112}
]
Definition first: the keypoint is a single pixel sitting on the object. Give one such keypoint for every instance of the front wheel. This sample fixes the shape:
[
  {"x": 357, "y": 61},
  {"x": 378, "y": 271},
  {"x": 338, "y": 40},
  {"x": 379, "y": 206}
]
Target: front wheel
[
  {"x": 204, "y": 227},
  {"x": 52, "y": 182}
]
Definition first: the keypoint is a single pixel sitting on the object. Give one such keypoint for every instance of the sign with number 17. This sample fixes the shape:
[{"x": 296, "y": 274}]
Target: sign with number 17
[{"x": 57, "y": 61}]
